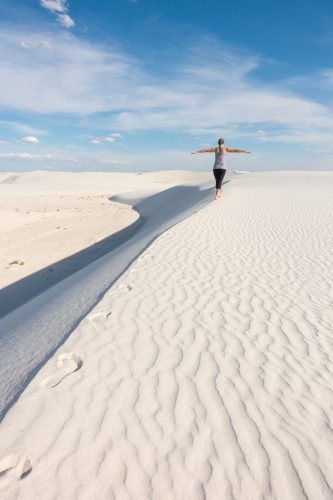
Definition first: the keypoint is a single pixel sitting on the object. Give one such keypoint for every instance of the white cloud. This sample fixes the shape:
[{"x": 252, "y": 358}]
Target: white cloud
[
  {"x": 116, "y": 135},
  {"x": 114, "y": 162},
  {"x": 60, "y": 8},
  {"x": 66, "y": 21},
  {"x": 109, "y": 138},
  {"x": 219, "y": 96},
  {"x": 54, "y": 5},
  {"x": 24, "y": 156},
  {"x": 30, "y": 139}
]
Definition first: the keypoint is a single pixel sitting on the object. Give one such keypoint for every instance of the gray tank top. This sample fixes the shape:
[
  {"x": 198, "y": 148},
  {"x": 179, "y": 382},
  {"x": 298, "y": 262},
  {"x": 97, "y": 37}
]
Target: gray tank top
[{"x": 219, "y": 158}]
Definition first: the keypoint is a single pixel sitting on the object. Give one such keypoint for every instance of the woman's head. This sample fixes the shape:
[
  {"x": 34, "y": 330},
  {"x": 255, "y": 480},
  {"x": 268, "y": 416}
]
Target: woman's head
[{"x": 220, "y": 142}]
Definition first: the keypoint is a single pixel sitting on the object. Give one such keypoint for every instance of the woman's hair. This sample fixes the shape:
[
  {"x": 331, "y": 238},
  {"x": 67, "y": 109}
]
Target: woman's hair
[{"x": 220, "y": 143}]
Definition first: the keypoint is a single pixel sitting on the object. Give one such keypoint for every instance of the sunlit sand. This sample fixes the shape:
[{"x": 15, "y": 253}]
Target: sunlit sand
[{"x": 205, "y": 370}]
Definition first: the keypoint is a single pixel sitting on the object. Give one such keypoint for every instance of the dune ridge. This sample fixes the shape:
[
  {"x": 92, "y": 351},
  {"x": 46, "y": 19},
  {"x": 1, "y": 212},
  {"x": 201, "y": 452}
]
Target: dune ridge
[{"x": 207, "y": 369}]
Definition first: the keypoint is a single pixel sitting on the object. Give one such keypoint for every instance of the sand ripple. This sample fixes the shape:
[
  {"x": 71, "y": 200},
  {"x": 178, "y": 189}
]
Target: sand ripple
[{"x": 208, "y": 371}]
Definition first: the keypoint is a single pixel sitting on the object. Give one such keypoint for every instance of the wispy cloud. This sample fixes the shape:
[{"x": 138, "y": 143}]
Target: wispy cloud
[
  {"x": 24, "y": 156},
  {"x": 197, "y": 94},
  {"x": 21, "y": 128},
  {"x": 60, "y": 9},
  {"x": 107, "y": 161},
  {"x": 41, "y": 44}
]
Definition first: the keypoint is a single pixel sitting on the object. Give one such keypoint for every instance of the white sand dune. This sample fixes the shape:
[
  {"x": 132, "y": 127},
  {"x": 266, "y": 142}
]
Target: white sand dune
[
  {"x": 47, "y": 217},
  {"x": 30, "y": 333},
  {"x": 207, "y": 368}
]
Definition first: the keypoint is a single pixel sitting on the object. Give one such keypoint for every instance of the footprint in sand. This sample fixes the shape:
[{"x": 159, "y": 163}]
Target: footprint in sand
[
  {"x": 121, "y": 286},
  {"x": 99, "y": 315},
  {"x": 16, "y": 263},
  {"x": 13, "y": 468},
  {"x": 68, "y": 363}
]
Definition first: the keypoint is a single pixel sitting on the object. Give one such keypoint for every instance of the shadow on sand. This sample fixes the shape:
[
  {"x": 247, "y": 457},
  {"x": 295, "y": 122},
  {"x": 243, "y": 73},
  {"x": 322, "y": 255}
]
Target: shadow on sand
[
  {"x": 17, "y": 293},
  {"x": 155, "y": 209},
  {"x": 43, "y": 321}
]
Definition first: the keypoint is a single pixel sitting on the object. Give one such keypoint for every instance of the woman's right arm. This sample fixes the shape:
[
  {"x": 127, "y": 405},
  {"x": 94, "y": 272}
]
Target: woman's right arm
[{"x": 211, "y": 150}]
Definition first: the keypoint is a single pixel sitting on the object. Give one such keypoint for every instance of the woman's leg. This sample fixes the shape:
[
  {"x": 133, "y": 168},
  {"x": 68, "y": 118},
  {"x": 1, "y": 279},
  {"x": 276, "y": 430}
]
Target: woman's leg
[
  {"x": 218, "y": 174},
  {"x": 219, "y": 183}
]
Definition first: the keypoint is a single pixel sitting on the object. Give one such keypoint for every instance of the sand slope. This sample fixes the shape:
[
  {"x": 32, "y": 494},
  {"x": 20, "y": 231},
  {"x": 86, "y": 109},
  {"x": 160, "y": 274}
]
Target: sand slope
[{"x": 207, "y": 369}]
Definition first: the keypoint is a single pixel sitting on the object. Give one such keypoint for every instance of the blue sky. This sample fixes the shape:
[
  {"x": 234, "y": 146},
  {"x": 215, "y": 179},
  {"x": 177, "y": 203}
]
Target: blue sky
[{"x": 136, "y": 85}]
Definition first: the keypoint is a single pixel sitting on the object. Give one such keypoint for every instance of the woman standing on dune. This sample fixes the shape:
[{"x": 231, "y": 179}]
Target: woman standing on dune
[{"x": 219, "y": 165}]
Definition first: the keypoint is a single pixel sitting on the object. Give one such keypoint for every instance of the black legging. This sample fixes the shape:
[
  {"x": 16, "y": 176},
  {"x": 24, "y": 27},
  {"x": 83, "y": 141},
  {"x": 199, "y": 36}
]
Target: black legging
[{"x": 219, "y": 174}]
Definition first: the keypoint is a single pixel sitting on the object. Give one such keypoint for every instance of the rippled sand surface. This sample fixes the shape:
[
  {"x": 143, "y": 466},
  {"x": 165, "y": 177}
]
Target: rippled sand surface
[{"x": 206, "y": 372}]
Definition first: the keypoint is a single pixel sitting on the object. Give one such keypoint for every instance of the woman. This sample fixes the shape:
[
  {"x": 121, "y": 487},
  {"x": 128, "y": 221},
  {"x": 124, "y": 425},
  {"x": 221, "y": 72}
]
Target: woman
[{"x": 219, "y": 165}]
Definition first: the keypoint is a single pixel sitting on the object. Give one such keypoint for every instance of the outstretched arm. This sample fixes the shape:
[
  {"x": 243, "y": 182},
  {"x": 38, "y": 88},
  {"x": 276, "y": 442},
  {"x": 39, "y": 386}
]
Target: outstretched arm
[
  {"x": 211, "y": 150},
  {"x": 229, "y": 150}
]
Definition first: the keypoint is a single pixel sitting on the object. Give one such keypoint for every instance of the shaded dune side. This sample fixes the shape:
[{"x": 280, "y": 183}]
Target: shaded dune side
[
  {"x": 18, "y": 293},
  {"x": 207, "y": 368},
  {"x": 31, "y": 334},
  {"x": 23, "y": 290}
]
